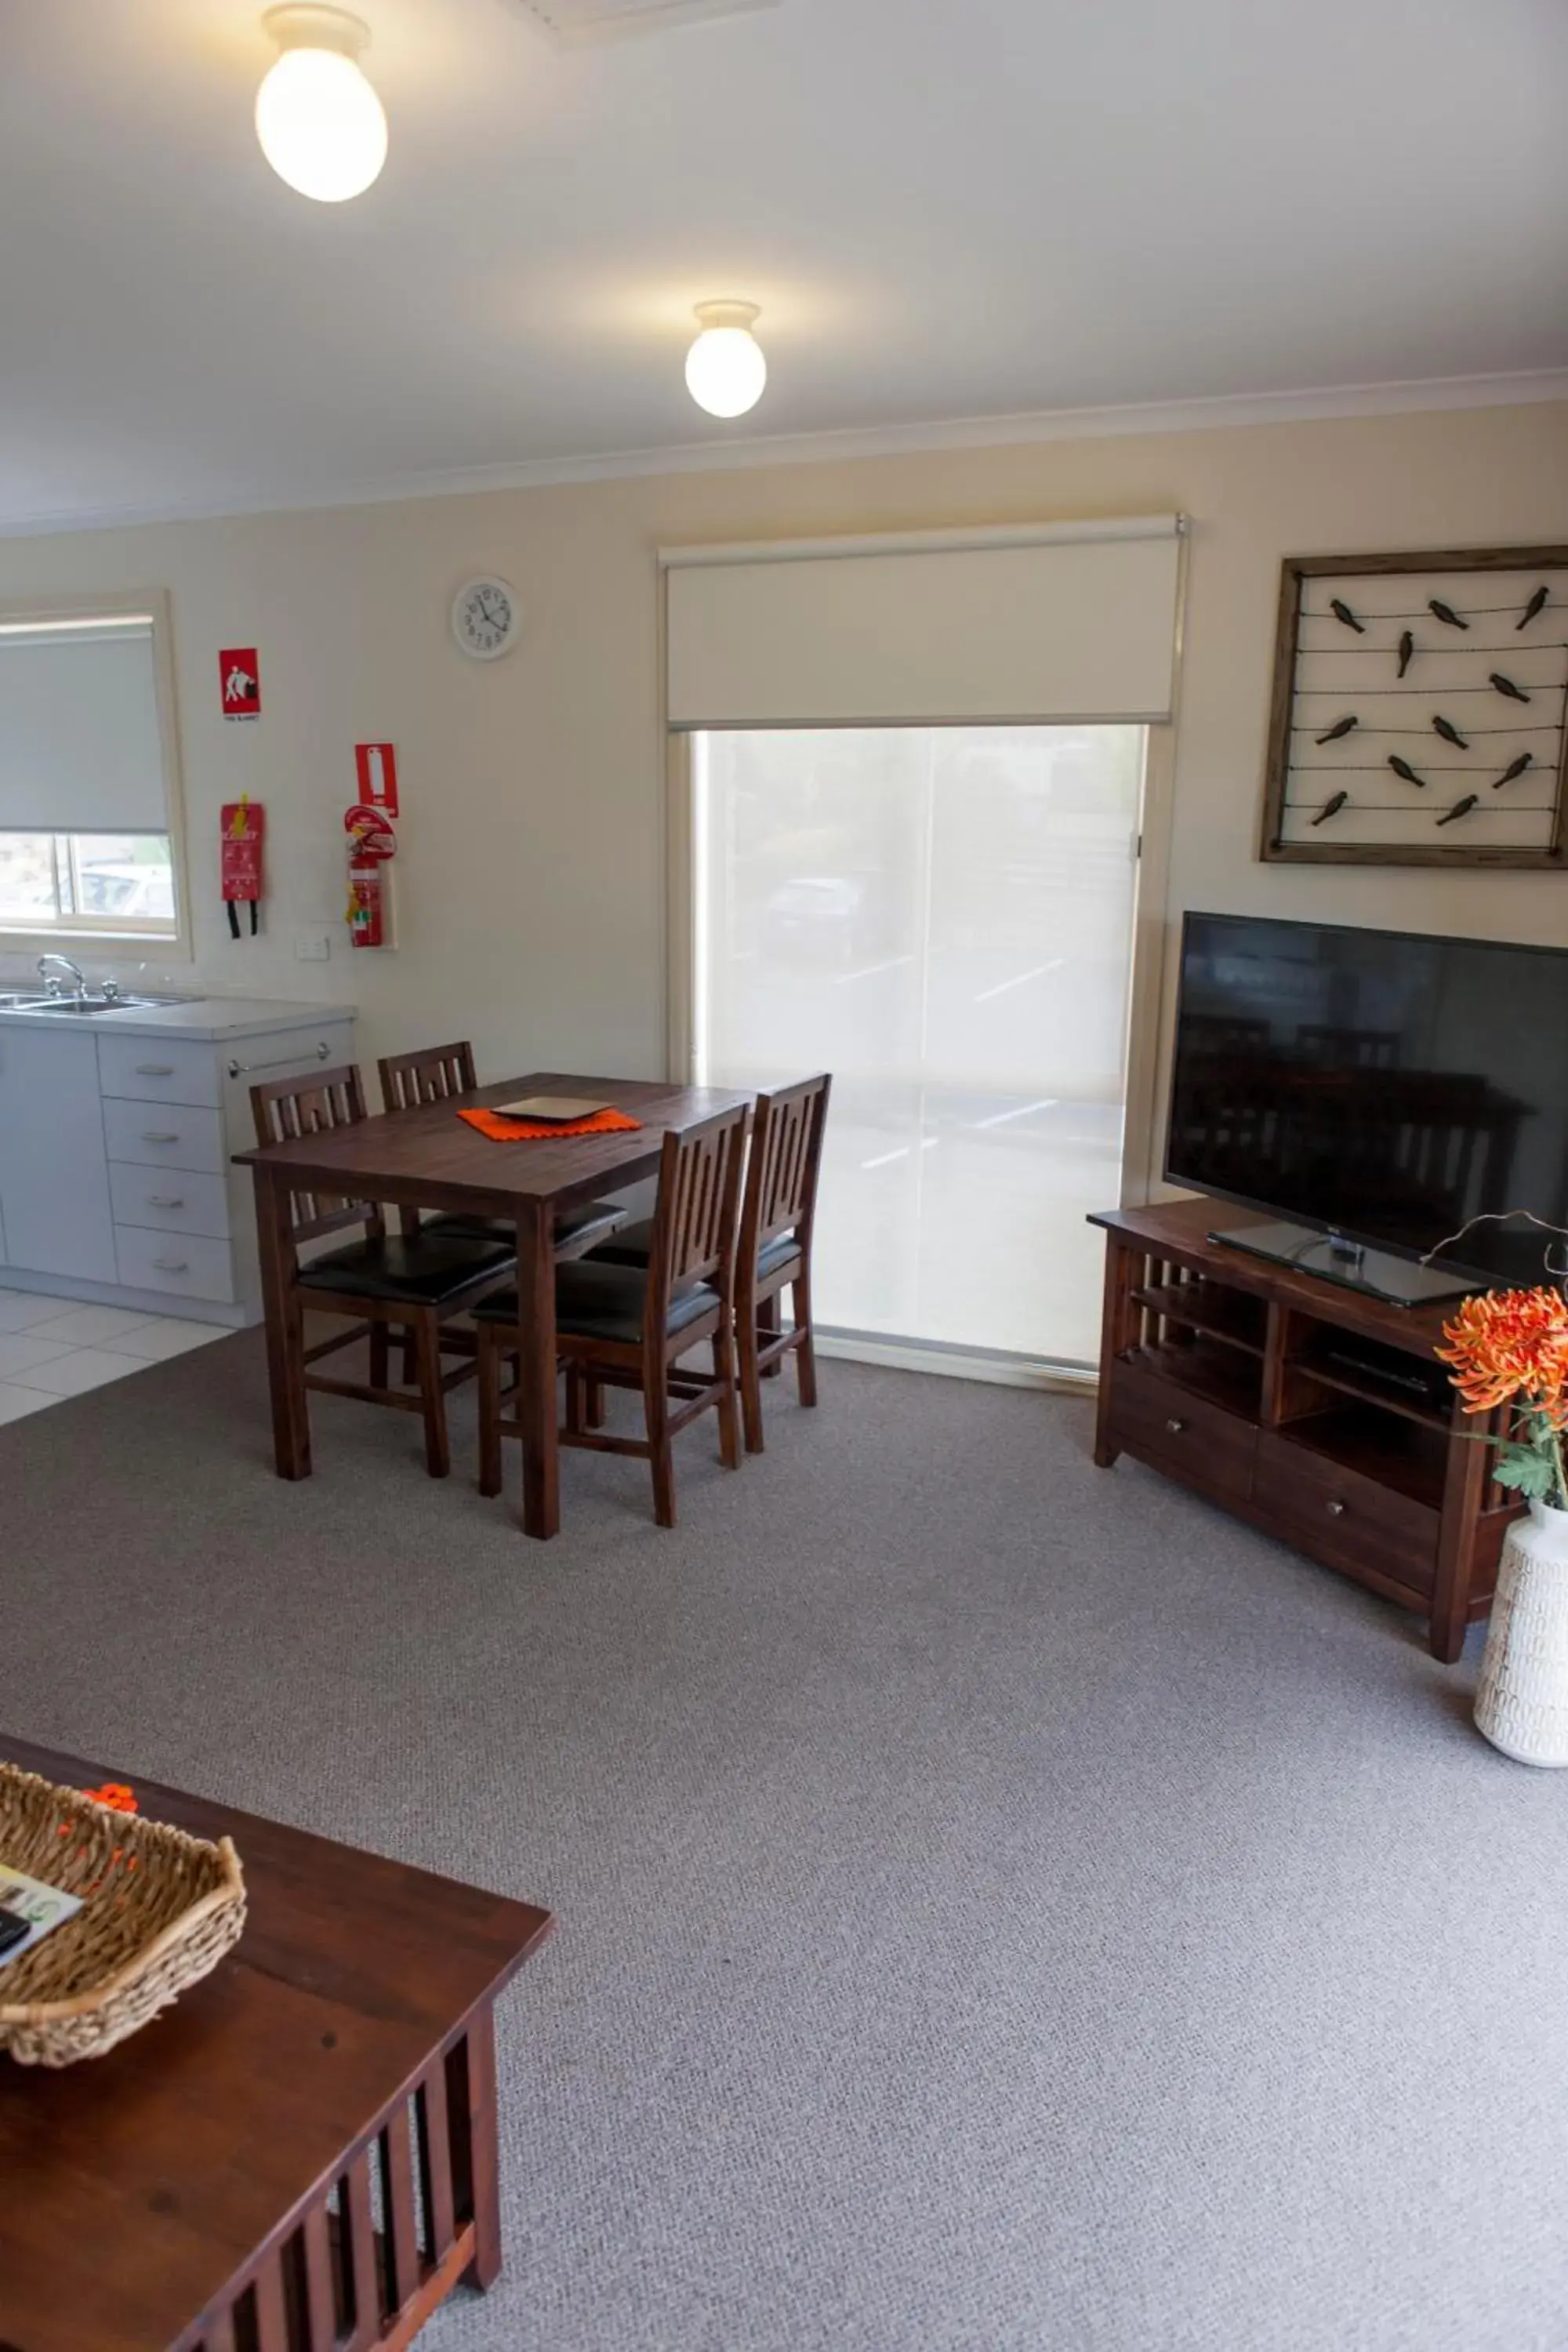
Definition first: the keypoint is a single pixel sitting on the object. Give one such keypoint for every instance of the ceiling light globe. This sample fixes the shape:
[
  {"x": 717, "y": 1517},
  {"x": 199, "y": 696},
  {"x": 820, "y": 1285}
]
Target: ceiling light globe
[
  {"x": 725, "y": 369},
  {"x": 320, "y": 124}
]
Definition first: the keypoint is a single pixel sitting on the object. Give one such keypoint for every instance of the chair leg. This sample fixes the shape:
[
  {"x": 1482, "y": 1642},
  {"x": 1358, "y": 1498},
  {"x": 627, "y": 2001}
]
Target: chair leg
[
  {"x": 724, "y": 1372},
  {"x": 428, "y": 1354},
  {"x": 380, "y": 1356},
  {"x": 805, "y": 1353},
  {"x": 751, "y": 1384},
  {"x": 770, "y": 1323},
  {"x": 575, "y": 1401},
  {"x": 656, "y": 1410},
  {"x": 593, "y": 1402},
  {"x": 410, "y": 1355},
  {"x": 489, "y": 1361}
]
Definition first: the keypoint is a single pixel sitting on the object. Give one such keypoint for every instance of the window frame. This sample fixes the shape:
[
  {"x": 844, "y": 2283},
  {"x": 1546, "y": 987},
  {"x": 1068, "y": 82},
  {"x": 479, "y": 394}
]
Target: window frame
[{"x": 175, "y": 946}]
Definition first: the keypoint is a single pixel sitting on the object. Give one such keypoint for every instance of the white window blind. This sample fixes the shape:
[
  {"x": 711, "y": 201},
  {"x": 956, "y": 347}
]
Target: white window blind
[
  {"x": 1049, "y": 623},
  {"x": 80, "y": 746}
]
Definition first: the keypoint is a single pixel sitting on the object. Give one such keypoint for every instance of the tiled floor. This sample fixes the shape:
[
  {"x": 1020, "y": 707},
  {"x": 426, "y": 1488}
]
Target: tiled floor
[{"x": 51, "y": 1349}]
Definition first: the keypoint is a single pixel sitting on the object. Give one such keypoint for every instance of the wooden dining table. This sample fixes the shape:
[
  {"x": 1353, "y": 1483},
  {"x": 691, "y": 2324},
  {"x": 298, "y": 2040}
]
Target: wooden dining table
[{"x": 428, "y": 1158}]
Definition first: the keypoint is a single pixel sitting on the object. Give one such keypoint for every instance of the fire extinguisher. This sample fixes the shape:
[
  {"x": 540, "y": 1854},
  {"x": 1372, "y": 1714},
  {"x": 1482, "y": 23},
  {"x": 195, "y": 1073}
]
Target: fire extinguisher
[{"x": 373, "y": 844}]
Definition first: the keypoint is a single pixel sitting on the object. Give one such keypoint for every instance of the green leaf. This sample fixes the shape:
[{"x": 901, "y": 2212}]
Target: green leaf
[{"x": 1527, "y": 1472}]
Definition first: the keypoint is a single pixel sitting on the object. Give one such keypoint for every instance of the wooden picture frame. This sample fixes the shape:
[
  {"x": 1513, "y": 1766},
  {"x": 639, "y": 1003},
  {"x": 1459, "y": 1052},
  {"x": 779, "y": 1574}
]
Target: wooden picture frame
[{"x": 1416, "y": 616}]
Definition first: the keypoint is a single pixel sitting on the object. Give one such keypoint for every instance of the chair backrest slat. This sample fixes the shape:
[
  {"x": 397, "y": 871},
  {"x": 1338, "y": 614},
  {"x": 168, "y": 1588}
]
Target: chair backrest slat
[
  {"x": 433, "y": 1074},
  {"x": 696, "y": 1216},
  {"x": 286, "y": 1108},
  {"x": 785, "y": 1163}
]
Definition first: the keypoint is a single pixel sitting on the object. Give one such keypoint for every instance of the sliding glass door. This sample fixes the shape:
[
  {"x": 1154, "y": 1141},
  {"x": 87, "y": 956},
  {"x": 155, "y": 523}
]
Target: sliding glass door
[{"x": 941, "y": 916}]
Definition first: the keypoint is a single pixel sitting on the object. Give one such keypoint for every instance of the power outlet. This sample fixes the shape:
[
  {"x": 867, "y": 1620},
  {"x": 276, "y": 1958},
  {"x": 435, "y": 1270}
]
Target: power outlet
[{"x": 311, "y": 947}]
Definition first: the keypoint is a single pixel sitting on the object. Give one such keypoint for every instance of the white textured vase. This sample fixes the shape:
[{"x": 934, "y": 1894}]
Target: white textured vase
[{"x": 1521, "y": 1705}]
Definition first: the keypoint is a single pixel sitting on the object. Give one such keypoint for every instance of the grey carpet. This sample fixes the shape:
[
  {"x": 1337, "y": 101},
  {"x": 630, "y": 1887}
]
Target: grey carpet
[{"x": 1003, "y": 1906}]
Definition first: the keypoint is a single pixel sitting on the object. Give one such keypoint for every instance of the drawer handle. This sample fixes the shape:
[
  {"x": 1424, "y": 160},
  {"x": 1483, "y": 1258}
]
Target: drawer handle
[
  {"x": 1336, "y": 1511},
  {"x": 154, "y": 1069},
  {"x": 165, "y": 1200},
  {"x": 149, "y": 1135},
  {"x": 173, "y": 1265},
  {"x": 1175, "y": 1426}
]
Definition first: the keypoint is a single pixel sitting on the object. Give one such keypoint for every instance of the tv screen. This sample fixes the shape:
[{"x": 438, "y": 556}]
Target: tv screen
[{"x": 1378, "y": 1084}]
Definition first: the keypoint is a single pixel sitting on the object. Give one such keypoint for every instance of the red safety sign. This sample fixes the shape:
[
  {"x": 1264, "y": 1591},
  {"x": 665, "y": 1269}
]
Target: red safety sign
[
  {"x": 377, "y": 766},
  {"x": 240, "y": 679}
]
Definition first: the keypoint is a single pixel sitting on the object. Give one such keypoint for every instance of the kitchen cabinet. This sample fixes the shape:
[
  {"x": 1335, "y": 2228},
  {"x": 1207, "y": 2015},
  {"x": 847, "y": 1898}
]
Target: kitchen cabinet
[
  {"x": 116, "y": 1138},
  {"x": 54, "y": 1171}
]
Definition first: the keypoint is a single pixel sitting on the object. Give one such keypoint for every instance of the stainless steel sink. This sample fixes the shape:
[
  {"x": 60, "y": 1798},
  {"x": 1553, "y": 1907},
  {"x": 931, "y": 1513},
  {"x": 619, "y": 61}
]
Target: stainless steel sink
[
  {"x": 89, "y": 1004},
  {"x": 21, "y": 1000}
]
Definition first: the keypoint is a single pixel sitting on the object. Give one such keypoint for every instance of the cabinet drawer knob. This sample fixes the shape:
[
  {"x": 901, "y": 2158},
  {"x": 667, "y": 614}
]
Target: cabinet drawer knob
[
  {"x": 154, "y": 1069},
  {"x": 1175, "y": 1426},
  {"x": 150, "y": 1136},
  {"x": 165, "y": 1200},
  {"x": 173, "y": 1265},
  {"x": 1336, "y": 1511}
]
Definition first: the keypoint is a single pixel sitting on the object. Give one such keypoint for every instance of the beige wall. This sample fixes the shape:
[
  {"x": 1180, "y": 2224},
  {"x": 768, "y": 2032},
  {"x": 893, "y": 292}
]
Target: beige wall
[{"x": 531, "y": 888}]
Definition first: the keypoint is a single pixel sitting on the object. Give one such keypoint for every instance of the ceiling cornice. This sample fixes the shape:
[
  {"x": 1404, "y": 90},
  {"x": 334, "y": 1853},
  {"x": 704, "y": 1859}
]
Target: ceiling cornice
[{"x": 741, "y": 451}]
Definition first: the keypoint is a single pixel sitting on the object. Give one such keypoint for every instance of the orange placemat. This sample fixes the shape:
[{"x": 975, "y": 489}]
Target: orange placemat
[{"x": 536, "y": 1130}]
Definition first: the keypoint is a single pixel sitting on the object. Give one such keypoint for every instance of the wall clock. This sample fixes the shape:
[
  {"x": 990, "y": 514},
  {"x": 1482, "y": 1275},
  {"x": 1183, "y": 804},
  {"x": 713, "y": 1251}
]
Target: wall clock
[
  {"x": 1419, "y": 710},
  {"x": 486, "y": 618}
]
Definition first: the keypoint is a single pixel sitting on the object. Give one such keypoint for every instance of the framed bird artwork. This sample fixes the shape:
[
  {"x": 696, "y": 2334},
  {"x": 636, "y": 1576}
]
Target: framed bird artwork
[{"x": 1420, "y": 711}]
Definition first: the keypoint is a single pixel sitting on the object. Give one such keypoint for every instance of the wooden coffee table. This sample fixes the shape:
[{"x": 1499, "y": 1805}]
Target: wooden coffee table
[{"x": 208, "y": 2185}]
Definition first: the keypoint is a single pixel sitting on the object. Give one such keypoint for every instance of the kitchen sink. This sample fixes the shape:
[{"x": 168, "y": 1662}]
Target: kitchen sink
[
  {"x": 21, "y": 1000},
  {"x": 88, "y": 1004}
]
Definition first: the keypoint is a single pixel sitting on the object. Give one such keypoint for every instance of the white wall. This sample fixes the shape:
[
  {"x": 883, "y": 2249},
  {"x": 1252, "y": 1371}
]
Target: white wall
[{"x": 531, "y": 889}]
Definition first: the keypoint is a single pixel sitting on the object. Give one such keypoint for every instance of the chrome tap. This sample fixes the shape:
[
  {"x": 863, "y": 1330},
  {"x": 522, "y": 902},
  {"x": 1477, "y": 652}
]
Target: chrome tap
[{"x": 49, "y": 979}]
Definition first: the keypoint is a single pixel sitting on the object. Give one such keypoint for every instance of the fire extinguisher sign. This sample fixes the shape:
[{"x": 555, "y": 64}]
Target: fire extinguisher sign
[
  {"x": 378, "y": 767},
  {"x": 239, "y": 676}
]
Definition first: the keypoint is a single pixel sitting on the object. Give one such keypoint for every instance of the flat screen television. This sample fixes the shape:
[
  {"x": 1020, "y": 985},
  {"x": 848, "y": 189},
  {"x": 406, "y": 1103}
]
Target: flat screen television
[{"x": 1376, "y": 1090}]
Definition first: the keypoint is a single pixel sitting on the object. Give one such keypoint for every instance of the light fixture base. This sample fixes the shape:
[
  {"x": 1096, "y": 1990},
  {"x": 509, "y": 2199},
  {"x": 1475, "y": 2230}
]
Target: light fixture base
[
  {"x": 743, "y": 315},
  {"x": 316, "y": 24}
]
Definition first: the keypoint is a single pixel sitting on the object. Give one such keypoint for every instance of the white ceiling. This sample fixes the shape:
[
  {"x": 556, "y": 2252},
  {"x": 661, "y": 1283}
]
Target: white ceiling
[{"x": 946, "y": 209}]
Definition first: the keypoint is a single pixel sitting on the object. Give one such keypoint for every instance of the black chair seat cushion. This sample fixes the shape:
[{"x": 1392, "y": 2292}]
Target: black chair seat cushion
[
  {"x": 634, "y": 1245},
  {"x": 604, "y": 1302},
  {"x": 421, "y": 1271},
  {"x": 595, "y": 1219}
]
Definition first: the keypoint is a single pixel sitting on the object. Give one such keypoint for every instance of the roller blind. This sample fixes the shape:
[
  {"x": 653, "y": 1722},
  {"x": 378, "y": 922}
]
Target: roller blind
[
  {"x": 1046, "y": 622},
  {"x": 80, "y": 747}
]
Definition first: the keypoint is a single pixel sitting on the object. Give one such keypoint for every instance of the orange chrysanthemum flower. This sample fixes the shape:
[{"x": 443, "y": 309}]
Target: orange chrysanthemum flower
[{"x": 1511, "y": 1344}]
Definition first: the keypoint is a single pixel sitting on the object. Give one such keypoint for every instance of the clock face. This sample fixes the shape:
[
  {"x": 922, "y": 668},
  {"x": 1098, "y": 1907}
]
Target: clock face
[{"x": 485, "y": 618}]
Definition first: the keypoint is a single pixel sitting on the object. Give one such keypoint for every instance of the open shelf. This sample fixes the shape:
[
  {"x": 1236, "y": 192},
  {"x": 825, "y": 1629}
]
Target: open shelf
[
  {"x": 1392, "y": 1449},
  {"x": 1234, "y": 1316},
  {"x": 1411, "y": 1386},
  {"x": 1215, "y": 1373}
]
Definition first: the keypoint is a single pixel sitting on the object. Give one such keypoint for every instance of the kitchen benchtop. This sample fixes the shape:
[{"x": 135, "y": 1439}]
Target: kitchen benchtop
[{"x": 205, "y": 1018}]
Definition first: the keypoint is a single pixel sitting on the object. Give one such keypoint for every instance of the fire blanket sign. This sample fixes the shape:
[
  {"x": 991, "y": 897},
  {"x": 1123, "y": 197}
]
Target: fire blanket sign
[{"x": 241, "y": 680}]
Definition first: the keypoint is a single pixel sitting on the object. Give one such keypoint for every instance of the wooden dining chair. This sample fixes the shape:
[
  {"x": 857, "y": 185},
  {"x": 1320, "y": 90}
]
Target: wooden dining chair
[
  {"x": 774, "y": 1252},
  {"x": 631, "y": 1327},
  {"x": 410, "y": 1280},
  {"x": 777, "y": 1223},
  {"x": 436, "y": 1074}
]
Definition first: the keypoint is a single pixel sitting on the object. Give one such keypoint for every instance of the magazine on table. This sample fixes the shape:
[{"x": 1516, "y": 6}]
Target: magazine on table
[{"x": 29, "y": 1911}]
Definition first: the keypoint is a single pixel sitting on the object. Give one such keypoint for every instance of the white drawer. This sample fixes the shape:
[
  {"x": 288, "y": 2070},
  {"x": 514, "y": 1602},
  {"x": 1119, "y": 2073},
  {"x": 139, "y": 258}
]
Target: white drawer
[
  {"x": 175, "y": 1136},
  {"x": 158, "y": 1069},
  {"x": 176, "y": 1201},
  {"x": 187, "y": 1266}
]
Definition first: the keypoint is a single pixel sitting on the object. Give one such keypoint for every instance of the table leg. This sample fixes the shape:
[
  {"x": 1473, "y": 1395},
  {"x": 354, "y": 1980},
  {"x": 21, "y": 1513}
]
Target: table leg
[
  {"x": 284, "y": 1327},
  {"x": 535, "y": 1399},
  {"x": 476, "y": 2143}
]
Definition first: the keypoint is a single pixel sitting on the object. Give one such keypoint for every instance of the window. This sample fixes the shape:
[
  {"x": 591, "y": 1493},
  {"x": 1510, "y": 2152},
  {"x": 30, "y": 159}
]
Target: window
[
  {"x": 941, "y": 916},
  {"x": 89, "y": 844}
]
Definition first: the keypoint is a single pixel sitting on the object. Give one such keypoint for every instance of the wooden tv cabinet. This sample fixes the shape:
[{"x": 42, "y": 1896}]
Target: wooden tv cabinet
[{"x": 1318, "y": 1412}]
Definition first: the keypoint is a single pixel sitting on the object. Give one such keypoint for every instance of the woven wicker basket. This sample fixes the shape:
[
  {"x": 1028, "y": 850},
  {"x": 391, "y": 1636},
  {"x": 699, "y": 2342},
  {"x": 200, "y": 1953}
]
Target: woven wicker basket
[{"x": 159, "y": 1910}]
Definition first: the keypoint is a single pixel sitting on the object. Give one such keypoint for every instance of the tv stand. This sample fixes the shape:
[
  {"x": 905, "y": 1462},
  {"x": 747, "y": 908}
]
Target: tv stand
[
  {"x": 1400, "y": 1281},
  {"x": 1305, "y": 1403}
]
